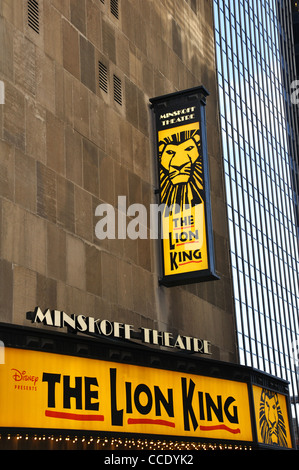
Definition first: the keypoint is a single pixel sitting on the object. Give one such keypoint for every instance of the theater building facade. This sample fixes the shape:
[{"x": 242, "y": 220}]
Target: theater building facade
[{"x": 117, "y": 322}]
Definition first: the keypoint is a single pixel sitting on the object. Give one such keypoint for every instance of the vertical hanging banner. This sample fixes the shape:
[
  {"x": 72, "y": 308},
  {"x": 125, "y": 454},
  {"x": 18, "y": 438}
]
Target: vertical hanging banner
[{"x": 184, "y": 192}]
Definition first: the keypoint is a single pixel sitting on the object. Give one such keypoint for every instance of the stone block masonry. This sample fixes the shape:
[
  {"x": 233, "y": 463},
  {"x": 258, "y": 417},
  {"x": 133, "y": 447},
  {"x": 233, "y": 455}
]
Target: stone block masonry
[{"x": 68, "y": 145}]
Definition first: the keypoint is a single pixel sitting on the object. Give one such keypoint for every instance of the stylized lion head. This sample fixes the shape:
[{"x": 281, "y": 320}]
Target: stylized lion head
[
  {"x": 271, "y": 421},
  {"x": 181, "y": 169}
]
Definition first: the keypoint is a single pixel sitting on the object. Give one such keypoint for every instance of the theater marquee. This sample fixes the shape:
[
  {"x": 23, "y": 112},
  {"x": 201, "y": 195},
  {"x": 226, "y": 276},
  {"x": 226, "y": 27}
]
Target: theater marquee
[
  {"x": 186, "y": 223},
  {"x": 50, "y": 382},
  {"x": 42, "y": 390},
  {"x": 51, "y": 391}
]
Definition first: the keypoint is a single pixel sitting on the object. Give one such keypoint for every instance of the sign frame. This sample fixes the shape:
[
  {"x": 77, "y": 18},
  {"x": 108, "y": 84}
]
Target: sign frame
[{"x": 186, "y": 106}]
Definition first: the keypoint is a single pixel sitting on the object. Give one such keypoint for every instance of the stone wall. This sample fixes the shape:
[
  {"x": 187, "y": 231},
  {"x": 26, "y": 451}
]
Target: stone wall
[{"x": 68, "y": 144}]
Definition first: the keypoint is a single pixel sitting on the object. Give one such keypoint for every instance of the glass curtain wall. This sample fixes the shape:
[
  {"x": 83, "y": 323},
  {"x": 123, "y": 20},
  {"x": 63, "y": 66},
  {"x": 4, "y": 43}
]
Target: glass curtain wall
[
  {"x": 295, "y": 4},
  {"x": 255, "y": 64}
]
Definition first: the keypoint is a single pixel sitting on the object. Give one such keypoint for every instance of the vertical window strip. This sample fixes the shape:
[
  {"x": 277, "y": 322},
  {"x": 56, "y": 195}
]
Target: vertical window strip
[
  {"x": 117, "y": 89},
  {"x": 114, "y": 8},
  {"x": 33, "y": 15},
  {"x": 103, "y": 77}
]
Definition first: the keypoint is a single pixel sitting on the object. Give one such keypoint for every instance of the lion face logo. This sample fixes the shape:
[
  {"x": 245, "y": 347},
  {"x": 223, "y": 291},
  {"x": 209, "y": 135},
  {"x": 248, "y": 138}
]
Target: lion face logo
[
  {"x": 181, "y": 169},
  {"x": 271, "y": 414},
  {"x": 271, "y": 421},
  {"x": 178, "y": 159}
]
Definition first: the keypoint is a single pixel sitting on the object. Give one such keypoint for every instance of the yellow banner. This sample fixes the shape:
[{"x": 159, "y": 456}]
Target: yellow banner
[
  {"x": 271, "y": 418},
  {"x": 182, "y": 190},
  {"x": 185, "y": 248},
  {"x": 51, "y": 391}
]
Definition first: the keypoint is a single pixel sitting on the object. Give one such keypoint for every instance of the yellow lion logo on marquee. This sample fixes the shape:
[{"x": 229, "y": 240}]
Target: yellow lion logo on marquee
[
  {"x": 271, "y": 422},
  {"x": 181, "y": 168}
]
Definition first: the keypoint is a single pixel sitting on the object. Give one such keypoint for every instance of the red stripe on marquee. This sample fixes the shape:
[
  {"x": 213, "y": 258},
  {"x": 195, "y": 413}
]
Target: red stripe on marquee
[
  {"x": 161, "y": 422},
  {"x": 220, "y": 426},
  {"x": 77, "y": 417}
]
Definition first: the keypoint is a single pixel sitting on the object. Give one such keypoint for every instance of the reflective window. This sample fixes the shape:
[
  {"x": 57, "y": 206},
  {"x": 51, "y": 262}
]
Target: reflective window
[{"x": 258, "y": 123}]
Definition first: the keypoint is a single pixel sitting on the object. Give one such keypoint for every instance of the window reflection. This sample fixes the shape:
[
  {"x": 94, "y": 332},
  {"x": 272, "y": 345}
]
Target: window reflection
[{"x": 253, "y": 63}]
